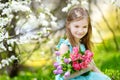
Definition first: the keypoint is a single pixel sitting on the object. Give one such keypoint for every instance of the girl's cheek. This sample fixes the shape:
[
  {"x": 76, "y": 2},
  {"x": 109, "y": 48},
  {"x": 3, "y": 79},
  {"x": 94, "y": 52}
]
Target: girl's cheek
[{"x": 85, "y": 30}]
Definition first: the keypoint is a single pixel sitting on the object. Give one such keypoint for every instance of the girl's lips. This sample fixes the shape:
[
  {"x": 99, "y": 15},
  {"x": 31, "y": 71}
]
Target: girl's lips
[{"x": 80, "y": 34}]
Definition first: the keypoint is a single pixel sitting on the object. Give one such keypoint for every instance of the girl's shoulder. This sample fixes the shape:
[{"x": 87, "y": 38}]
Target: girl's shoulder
[{"x": 63, "y": 43}]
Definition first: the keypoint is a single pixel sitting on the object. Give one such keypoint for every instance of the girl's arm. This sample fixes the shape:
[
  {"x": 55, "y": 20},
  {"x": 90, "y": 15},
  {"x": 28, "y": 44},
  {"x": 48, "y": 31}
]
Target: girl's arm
[
  {"x": 78, "y": 73},
  {"x": 94, "y": 67},
  {"x": 63, "y": 48},
  {"x": 90, "y": 67}
]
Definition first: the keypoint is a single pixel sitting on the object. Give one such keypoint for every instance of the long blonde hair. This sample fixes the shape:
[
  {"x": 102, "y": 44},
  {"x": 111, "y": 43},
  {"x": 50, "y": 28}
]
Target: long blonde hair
[{"x": 75, "y": 14}]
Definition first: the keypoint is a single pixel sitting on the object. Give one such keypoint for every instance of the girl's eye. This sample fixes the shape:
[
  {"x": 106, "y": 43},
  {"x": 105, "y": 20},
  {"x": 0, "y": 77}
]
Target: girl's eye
[
  {"x": 77, "y": 26},
  {"x": 85, "y": 26}
]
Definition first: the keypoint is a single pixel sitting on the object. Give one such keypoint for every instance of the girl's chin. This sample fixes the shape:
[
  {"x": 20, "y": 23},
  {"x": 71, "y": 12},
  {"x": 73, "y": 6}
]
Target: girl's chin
[{"x": 79, "y": 37}]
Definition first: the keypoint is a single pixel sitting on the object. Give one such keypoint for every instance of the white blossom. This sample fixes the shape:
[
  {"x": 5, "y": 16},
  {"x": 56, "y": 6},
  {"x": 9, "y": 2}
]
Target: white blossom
[
  {"x": 1, "y": 33},
  {"x": 9, "y": 60},
  {"x": 10, "y": 48},
  {"x": 4, "y": 62},
  {"x": 74, "y": 2},
  {"x": 11, "y": 41},
  {"x": 65, "y": 9},
  {"x": 44, "y": 23},
  {"x": 2, "y": 46},
  {"x": 17, "y": 6},
  {"x": 117, "y": 3},
  {"x": 38, "y": 0},
  {"x": 53, "y": 18},
  {"x": 3, "y": 21},
  {"x": 84, "y": 4},
  {"x": 47, "y": 9},
  {"x": 0, "y": 66},
  {"x": 45, "y": 19},
  {"x": 53, "y": 24},
  {"x": 44, "y": 30},
  {"x": 3, "y": 65},
  {"x": 1, "y": 6},
  {"x": 42, "y": 16},
  {"x": 13, "y": 57},
  {"x": 113, "y": 2},
  {"x": 70, "y": 4},
  {"x": 6, "y": 11}
]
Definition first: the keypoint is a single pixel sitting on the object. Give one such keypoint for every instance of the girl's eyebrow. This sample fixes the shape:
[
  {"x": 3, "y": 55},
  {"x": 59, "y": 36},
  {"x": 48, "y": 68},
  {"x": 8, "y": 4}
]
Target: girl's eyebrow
[{"x": 85, "y": 25}]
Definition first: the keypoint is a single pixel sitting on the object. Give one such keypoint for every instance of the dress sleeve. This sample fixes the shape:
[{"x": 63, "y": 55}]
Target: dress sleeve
[
  {"x": 63, "y": 41},
  {"x": 59, "y": 43}
]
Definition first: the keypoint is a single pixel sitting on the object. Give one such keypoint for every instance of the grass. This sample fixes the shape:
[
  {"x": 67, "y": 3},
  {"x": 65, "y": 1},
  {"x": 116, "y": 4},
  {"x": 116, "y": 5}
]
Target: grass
[
  {"x": 108, "y": 63},
  {"x": 108, "y": 59}
]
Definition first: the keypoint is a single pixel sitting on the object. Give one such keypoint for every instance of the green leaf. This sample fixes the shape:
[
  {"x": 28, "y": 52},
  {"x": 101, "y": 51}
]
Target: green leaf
[{"x": 67, "y": 54}]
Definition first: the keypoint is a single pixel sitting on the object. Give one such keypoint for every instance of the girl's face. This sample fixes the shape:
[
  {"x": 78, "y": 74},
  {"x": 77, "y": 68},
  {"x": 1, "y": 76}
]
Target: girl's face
[{"x": 79, "y": 28}]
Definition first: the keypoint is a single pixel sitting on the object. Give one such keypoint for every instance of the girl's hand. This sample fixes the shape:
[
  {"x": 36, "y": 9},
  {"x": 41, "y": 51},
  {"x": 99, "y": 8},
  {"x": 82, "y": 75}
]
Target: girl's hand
[{"x": 89, "y": 68}]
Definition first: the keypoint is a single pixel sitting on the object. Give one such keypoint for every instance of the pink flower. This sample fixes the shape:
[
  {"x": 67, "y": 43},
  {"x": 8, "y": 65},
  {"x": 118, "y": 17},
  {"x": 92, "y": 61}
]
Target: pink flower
[
  {"x": 75, "y": 50},
  {"x": 85, "y": 57},
  {"x": 83, "y": 65},
  {"x": 74, "y": 61},
  {"x": 87, "y": 61},
  {"x": 75, "y": 56},
  {"x": 88, "y": 53},
  {"x": 76, "y": 66}
]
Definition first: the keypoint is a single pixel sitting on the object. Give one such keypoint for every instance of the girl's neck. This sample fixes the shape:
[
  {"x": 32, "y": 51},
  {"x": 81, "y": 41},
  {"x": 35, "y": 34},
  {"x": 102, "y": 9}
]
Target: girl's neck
[
  {"x": 77, "y": 42},
  {"x": 77, "y": 45}
]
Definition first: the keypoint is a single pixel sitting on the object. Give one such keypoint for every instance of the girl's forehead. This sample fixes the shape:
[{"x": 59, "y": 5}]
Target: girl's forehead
[{"x": 83, "y": 21}]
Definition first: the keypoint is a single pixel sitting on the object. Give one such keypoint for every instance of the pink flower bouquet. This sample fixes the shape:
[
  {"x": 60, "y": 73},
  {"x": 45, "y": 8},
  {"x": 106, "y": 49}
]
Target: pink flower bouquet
[{"x": 72, "y": 62}]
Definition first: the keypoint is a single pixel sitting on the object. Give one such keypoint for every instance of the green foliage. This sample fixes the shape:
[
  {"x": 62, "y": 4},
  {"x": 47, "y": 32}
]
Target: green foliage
[
  {"x": 67, "y": 55},
  {"x": 108, "y": 60},
  {"x": 43, "y": 73},
  {"x": 114, "y": 74}
]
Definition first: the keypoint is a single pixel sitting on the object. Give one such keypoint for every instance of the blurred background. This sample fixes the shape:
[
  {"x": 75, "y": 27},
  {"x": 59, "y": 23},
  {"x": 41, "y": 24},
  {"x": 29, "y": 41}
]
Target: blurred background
[{"x": 31, "y": 29}]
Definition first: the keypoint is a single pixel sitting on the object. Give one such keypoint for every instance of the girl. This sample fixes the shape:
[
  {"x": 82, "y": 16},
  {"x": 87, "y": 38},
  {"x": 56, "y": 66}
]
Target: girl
[{"x": 78, "y": 31}]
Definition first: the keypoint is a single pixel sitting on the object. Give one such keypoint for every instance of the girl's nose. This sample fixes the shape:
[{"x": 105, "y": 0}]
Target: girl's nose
[{"x": 80, "y": 30}]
